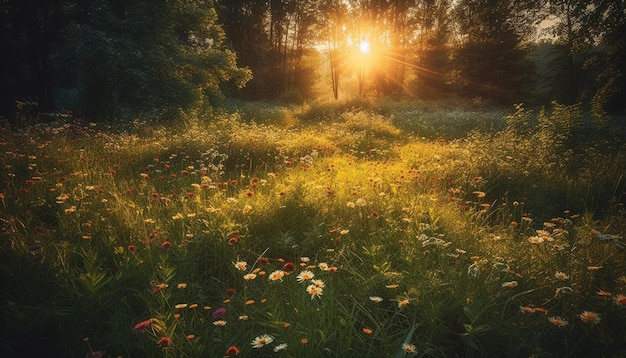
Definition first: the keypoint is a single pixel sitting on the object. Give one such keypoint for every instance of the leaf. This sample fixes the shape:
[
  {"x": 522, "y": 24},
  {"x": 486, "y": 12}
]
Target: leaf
[{"x": 407, "y": 339}]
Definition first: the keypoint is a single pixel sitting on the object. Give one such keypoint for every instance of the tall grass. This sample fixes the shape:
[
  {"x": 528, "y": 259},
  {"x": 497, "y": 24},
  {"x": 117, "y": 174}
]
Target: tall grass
[{"x": 365, "y": 229}]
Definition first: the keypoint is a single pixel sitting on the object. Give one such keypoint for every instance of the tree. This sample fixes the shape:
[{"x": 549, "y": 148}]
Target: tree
[
  {"x": 491, "y": 61},
  {"x": 272, "y": 38},
  {"x": 142, "y": 55}
]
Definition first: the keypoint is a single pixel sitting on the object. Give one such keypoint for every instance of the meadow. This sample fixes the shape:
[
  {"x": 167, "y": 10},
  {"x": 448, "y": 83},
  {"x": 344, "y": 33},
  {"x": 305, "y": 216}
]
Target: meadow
[{"x": 352, "y": 229}]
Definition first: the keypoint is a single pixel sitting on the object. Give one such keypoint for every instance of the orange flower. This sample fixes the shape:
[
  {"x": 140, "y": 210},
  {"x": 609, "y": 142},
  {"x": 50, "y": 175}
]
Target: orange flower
[
  {"x": 164, "y": 342},
  {"x": 304, "y": 341},
  {"x": 526, "y": 309},
  {"x": 367, "y": 330},
  {"x": 590, "y": 317},
  {"x": 558, "y": 321},
  {"x": 249, "y": 302},
  {"x": 620, "y": 300}
]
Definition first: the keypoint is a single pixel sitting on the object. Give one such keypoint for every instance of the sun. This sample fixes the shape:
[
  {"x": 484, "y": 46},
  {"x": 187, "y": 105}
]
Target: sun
[{"x": 364, "y": 47}]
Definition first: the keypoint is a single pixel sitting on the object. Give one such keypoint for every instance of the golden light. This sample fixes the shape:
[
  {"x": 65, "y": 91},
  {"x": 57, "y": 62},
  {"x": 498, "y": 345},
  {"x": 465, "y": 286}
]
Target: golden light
[{"x": 364, "y": 47}]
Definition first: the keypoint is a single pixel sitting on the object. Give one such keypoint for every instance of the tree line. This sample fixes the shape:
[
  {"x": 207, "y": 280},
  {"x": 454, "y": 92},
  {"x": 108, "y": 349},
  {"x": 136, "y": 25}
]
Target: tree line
[{"x": 115, "y": 58}]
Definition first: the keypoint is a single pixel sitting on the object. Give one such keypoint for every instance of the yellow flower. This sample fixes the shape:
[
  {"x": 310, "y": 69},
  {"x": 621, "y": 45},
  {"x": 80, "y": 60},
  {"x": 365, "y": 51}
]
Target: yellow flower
[
  {"x": 249, "y": 276},
  {"x": 305, "y": 275},
  {"x": 314, "y": 291},
  {"x": 219, "y": 323},
  {"x": 277, "y": 275},
  {"x": 241, "y": 265}
]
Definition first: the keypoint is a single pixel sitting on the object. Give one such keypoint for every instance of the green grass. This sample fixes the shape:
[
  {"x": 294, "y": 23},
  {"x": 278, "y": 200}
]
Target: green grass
[{"x": 456, "y": 232}]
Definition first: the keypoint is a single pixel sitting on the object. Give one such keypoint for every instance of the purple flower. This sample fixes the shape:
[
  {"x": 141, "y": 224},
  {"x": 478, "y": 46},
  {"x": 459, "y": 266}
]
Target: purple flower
[{"x": 218, "y": 312}]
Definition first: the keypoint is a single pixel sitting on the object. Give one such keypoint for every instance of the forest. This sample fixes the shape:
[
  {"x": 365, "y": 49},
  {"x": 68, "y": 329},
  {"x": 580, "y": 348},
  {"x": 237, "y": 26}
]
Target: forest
[
  {"x": 109, "y": 59},
  {"x": 312, "y": 178}
]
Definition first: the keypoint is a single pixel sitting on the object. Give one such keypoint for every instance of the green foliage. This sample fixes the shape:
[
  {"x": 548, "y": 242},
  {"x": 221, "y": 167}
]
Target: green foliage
[
  {"x": 143, "y": 56},
  {"x": 187, "y": 239}
]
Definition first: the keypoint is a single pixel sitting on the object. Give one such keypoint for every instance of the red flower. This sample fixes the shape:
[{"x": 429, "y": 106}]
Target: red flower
[
  {"x": 141, "y": 326},
  {"x": 233, "y": 240},
  {"x": 232, "y": 351},
  {"x": 289, "y": 266},
  {"x": 164, "y": 342},
  {"x": 166, "y": 244},
  {"x": 132, "y": 248}
]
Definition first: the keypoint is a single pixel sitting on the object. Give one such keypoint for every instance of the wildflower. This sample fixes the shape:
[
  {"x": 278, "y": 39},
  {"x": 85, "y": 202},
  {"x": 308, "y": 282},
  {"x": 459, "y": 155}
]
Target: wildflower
[
  {"x": 164, "y": 342},
  {"x": 350, "y": 204},
  {"x": 304, "y": 341},
  {"x": 132, "y": 248},
  {"x": 305, "y": 259},
  {"x": 403, "y": 303},
  {"x": 558, "y": 321},
  {"x": 603, "y": 293},
  {"x": 620, "y": 300},
  {"x": 243, "y": 317},
  {"x": 541, "y": 310},
  {"x": 262, "y": 340},
  {"x": 191, "y": 336},
  {"x": 250, "y": 276},
  {"x": 526, "y": 309},
  {"x": 314, "y": 291},
  {"x": 509, "y": 284},
  {"x": 318, "y": 283},
  {"x": 249, "y": 302},
  {"x": 289, "y": 266},
  {"x": 594, "y": 268},
  {"x": 367, "y": 330},
  {"x": 231, "y": 291},
  {"x": 323, "y": 266},
  {"x": 232, "y": 351},
  {"x": 535, "y": 239},
  {"x": 590, "y": 317},
  {"x": 305, "y": 275},
  {"x": 219, "y": 312},
  {"x": 141, "y": 326},
  {"x": 479, "y": 194},
  {"x": 166, "y": 244},
  {"x": 277, "y": 275},
  {"x": 361, "y": 202},
  {"x": 241, "y": 265},
  {"x": 280, "y": 347},
  {"x": 392, "y": 286},
  {"x": 219, "y": 323},
  {"x": 181, "y": 306},
  {"x": 246, "y": 209},
  {"x": 233, "y": 240},
  {"x": 182, "y": 285},
  {"x": 561, "y": 275},
  {"x": 376, "y": 299},
  {"x": 409, "y": 348},
  {"x": 193, "y": 305},
  {"x": 160, "y": 287}
]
